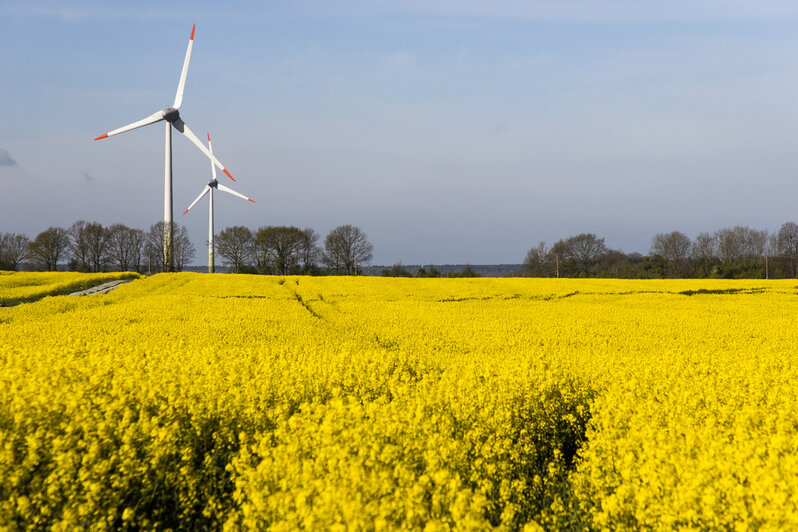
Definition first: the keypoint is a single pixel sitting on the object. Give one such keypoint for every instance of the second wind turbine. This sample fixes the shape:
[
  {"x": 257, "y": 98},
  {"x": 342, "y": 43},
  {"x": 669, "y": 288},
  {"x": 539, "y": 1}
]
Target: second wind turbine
[{"x": 213, "y": 184}]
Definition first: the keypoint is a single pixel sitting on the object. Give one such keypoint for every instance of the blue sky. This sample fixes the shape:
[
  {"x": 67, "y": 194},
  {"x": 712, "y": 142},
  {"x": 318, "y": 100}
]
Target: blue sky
[{"x": 450, "y": 132}]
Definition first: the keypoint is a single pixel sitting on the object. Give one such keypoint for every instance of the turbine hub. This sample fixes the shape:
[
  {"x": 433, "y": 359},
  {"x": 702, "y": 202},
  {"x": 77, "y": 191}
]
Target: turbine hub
[
  {"x": 170, "y": 115},
  {"x": 213, "y": 183}
]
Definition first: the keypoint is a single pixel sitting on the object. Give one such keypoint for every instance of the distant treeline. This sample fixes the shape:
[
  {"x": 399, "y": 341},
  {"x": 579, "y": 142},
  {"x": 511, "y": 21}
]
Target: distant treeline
[
  {"x": 731, "y": 253},
  {"x": 92, "y": 247},
  {"x": 398, "y": 270},
  {"x": 443, "y": 270}
]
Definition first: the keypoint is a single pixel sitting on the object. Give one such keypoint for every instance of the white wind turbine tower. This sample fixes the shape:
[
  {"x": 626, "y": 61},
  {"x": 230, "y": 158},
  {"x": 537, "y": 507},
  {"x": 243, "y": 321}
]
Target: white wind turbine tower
[
  {"x": 213, "y": 184},
  {"x": 171, "y": 116}
]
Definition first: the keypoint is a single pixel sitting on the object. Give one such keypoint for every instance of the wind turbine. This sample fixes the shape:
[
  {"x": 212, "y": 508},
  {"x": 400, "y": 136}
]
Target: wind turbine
[
  {"x": 171, "y": 116},
  {"x": 213, "y": 184}
]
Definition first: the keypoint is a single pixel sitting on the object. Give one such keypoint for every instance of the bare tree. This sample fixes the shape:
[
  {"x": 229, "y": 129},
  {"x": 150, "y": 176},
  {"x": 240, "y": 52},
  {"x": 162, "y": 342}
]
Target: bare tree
[
  {"x": 585, "y": 249},
  {"x": 278, "y": 249},
  {"x": 182, "y": 248},
  {"x": 704, "y": 253},
  {"x": 705, "y": 247},
  {"x": 124, "y": 246},
  {"x": 13, "y": 250},
  {"x": 79, "y": 246},
  {"x": 740, "y": 243},
  {"x": 729, "y": 245},
  {"x": 153, "y": 247},
  {"x": 787, "y": 244},
  {"x": 674, "y": 247},
  {"x": 754, "y": 243},
  {"x": 771, "y": 252},
  {"x": 96, "y": 237},
  {"x": 559, "y": 254},
  {"x": 49, "y": 247},
  {"x": 346, "y": 248},
  {"x": 235, "y": 246},
  {"x": 138, "y": 238},
  {"x": 309, "y": 250},
  {"x": 536, "y": 261},
  {"x": 3, "y": 240}
]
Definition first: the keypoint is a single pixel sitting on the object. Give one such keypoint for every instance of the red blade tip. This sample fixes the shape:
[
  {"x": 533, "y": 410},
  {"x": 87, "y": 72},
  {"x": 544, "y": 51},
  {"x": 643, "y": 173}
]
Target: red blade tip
[
  {"x": 228, "y": 174},
  {"x": 192, "y": 31},
  {"x": 209, "y": 137},
  {"x": 102, "y": 136},
  {"x": 252, "y": 200},
  {"x": 184, "y": 212}
]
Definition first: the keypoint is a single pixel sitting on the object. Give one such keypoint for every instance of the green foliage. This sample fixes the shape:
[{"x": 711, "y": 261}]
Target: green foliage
[
  {"x": 468, "y": 271},
  {"x": 432, "y": 271},
  {"x": 397, "y": 271},
  {"x": 653, "y": 267},
  {"x": 738, "y": 270}
]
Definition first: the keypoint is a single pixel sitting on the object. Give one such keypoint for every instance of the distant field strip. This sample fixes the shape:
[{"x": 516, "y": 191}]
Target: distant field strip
[
  {"x": 196, "y": 401},
  {"x": 26, "y": 287}
]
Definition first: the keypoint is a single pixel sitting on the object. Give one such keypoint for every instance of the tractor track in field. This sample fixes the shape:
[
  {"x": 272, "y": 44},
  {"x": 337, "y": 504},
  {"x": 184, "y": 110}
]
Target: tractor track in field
[{"x": 101, "y": 289}]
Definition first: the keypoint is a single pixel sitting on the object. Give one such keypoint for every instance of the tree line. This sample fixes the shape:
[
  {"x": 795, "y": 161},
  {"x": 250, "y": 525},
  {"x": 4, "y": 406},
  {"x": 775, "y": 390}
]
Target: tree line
[
  {"x": 91, "y": 247},
  {"x": 399, "y": 270},
  {"x": 730, "y": 253},
  {"x": 735, "y": 252},
  {"x": 288, "y": 250}
]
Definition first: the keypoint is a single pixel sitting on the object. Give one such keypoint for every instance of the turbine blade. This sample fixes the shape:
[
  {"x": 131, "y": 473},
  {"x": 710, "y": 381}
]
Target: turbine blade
[
  {"x": 184, "y": 73},
  {"x": 204, "y": 191},
  {"x": 234, "y": 193},
  {"x": 213, "y": 166},
  {"x": 155, "y": 117},
  {"x": 184, "y": 129}
]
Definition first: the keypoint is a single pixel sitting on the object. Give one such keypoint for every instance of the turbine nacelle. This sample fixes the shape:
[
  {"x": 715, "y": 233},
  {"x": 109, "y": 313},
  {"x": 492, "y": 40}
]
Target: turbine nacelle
[
  {"x": 213, "y": 183},
  {"x": 170, "y": 114}
]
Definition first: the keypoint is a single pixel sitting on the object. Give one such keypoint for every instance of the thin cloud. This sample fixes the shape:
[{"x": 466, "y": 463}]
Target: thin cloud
[
  {"x": 589, "y": 10},
  {"x": 88, "y": 177},
  {"x": 401, "y": 58},
  {"x": 5, "y": 158}
]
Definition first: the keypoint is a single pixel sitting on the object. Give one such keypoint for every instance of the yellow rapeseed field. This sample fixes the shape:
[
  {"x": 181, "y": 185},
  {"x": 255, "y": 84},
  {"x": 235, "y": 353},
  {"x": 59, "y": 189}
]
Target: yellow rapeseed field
[
  {"x": 21, "y": 287},
  {"x": 244, "y": 402}
]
